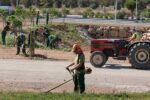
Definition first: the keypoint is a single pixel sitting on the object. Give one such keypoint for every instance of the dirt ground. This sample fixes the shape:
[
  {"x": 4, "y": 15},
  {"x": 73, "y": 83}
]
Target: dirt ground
[{"x": 52, "y": 55}]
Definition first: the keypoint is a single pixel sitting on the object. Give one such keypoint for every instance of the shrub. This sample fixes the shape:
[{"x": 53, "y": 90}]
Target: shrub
[
  {"x": 91, "y": 14},
  {"x": 15, "y": 20},
  {"x": 54, "y": 12},
  {"x": 9, "y": 40},
  {"x": 109, "y": 16},
  {"x": 65, "y": 11},
  {"x": 121, "y": 15},
  {"x": 85, "y": 15},
  {"x": 146, "y": 13},
  {"x": 98, "y": 15},
  {"x": 88, "y": 13}
]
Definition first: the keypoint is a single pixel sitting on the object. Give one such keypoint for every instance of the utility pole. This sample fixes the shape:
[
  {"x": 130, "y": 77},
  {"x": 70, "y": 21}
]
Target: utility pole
[
  {"x": 136, "y": 12},
  {"x": 17, "y": 4},
  {"x": 79, "y": 4},
  {"x": 116, "y": 5},
  {"x": 36, "y": 3}
]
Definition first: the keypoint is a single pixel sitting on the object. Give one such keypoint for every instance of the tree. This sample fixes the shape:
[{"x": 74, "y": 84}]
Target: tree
[
  {"x": 64, "y": 13},
  {"x": 26, "y": 3},
  {"x": 142, "y": 4},
  {"x": 53, "y": 12},
  {"x": 31, "y": 12},
  {"x": 20, "y": 12},
  {"x": 15, "y": 21},
  {"x": 3, "y": 15},
  {"x": 4, "y": 2},
  {"x": 131, "y": 4}
]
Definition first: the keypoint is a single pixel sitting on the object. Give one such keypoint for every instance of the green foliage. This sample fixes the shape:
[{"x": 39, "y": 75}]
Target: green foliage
[
  {"x": 20, "y": 12},
  {"x": 146, "y": 13},
  {"x": 85, "y": 14},
  {"x": 121, "y": 15},
  {"x": 130, "y": 4},
  {"x": 99, "y": 15},
  {"x": 71, "y": 3},
  {"x": 39, "y": 45},
  {"x": 109, "y": 16},
  {"x": 65, "y": 11},
  {"x": 88, "y": 13},
  {"x": 71, "y": 96},
  {"x": 54, "y": 12},
  {"x": 9, "y": 40},
  {"x": 2, "y": 12},
  {"x": 31, "y": 12},
  {"x": 15, "y": 21}
]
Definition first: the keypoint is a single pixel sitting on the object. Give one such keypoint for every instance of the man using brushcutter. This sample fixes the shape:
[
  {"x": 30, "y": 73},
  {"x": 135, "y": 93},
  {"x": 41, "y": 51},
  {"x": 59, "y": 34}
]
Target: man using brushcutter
[
  {"x": 78, "y": 71},
  {"x": 78, "y": 68}
]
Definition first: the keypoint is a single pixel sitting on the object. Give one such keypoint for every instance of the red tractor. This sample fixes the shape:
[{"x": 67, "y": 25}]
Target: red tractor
[{"x": 138, "y": 53}]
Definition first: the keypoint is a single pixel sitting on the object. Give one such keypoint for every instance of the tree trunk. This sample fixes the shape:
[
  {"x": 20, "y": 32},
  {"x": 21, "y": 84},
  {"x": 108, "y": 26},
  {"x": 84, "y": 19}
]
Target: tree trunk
[{"x": 32, "y": 44}]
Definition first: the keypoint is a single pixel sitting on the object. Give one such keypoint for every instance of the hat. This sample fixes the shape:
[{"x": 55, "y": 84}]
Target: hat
[{"x": 76, "y": 48}]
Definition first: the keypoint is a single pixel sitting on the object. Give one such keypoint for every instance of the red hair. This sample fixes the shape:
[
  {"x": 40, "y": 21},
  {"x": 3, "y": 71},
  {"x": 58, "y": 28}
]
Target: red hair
[{"x": 77, "y": 49}]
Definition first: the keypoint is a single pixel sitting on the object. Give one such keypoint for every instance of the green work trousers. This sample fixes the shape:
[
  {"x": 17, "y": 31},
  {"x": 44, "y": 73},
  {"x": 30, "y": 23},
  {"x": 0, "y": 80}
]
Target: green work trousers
[
  {"x": 3, "y": 38},
  {"x": 19, "y": 45},
  {"x": 79, "y": 84}
]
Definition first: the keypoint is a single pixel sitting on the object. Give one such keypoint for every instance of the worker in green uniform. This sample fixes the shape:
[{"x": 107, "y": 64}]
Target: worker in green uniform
[
  {"x": 53, "y": 41},
  {"x": 37, "y": 17},
  {"x": 135, "y": 36},
  {"x": 4, "y": 32},
  {"x": 78, "y": 68},
  {"x": 20, "y": 42}
]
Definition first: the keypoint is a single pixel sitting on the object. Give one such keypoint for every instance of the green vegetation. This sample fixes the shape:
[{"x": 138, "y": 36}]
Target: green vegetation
[
  {"x": 87, "y": 8},
  {"x": 121, "y": 15},
  {"x": 67, "y": 32},
  {"x": 69, "y": 96},
  {"x": 9, "y": 40},
  {"x": 88, "y": 13},
  {"x": 146, "y": 13},
  {"x": 131, "y": 4}
]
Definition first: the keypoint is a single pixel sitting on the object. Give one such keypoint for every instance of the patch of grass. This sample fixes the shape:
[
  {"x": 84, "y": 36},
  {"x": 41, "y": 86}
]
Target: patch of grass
[
  {"x": 71, "y": 96},
  {"x": 9, "y": 40}
]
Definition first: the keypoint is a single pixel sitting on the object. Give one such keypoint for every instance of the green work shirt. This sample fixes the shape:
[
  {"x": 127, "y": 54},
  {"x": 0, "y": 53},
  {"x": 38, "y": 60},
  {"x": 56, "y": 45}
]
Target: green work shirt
[
  {"x": 80, "y": 58},
  {"x": 136, "y": 36}
]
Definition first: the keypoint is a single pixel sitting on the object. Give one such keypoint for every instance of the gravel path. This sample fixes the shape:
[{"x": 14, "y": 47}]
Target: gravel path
[{"x": 39, "y": 76}]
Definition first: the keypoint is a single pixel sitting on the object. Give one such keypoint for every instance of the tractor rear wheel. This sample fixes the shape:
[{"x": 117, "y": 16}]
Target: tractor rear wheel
[
  {"x": 139, "y": 56},
  {"x": 98, "y": 59}
]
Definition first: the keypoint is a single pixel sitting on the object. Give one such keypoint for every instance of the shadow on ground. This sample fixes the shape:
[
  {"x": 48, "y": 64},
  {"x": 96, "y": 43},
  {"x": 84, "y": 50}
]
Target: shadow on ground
[
  {"x": 119, "y": 66},
  {"x": 116, "y": 66}
]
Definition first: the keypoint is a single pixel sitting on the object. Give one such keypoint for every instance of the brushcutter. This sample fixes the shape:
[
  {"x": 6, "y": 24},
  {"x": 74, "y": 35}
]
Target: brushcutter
[
  {"x": 61, "y": 83},
  {"x": 87, "y": 71}
]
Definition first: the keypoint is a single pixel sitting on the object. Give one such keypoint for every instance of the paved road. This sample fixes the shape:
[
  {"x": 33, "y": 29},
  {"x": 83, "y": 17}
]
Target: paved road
[
  {"x": 98, "y": 21},
  {"x": 31, "y": 75}
]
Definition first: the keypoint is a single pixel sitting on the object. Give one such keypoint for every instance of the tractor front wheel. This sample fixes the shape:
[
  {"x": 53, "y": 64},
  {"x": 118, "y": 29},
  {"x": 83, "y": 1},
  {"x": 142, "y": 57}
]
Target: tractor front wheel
[
  {"x": 139, "y": 56},
  {"x": 98, "y": 59}
]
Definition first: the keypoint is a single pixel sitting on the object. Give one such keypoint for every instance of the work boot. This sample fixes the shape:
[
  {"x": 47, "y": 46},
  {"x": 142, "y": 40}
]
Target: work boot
[{"x": 18, "y": 50}]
